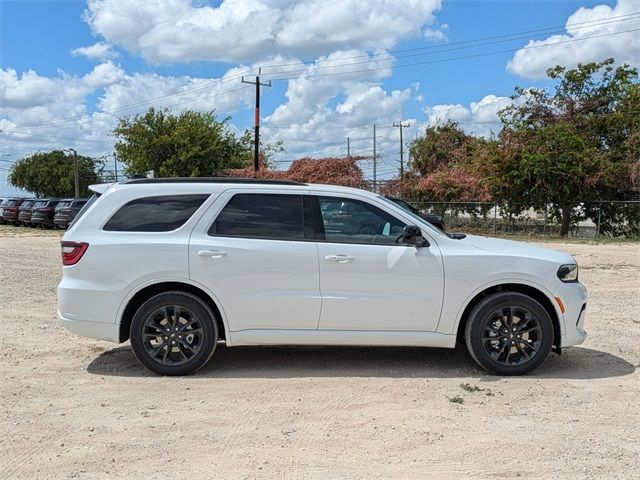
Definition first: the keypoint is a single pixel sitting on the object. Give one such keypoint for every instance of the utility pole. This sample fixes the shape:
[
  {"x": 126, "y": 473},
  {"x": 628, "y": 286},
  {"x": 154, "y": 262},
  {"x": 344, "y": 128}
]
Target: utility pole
[
  {"x": 115, "y": 164},
  {"x": 401, "y": 125},
  {"x": 76, "y": 173},
  {"x": 348, "y": 147},
  {"x": 256, "y": 153},
  {"x": 375, "y": 160}
]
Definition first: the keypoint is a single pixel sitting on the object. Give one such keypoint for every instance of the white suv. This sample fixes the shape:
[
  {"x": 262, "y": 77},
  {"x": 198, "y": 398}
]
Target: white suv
[{"x": 177, "y": 265}]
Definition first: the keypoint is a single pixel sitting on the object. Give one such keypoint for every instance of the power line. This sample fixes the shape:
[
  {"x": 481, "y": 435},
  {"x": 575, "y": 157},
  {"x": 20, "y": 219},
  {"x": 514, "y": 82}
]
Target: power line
[
  {"x": 443, "y": 49},
  {"x": 462, "y": 57},
  {"x": 71, "y": 122},
  {"x": 540, "y": 31},
  {"x": 149, "y": 101},
  {"x": 218, "y": 82}
]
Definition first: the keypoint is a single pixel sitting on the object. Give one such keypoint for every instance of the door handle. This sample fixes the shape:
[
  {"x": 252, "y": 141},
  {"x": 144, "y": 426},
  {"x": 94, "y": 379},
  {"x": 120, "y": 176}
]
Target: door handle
[
  {"x": 338, "y": 258},
  {"x": 212, "y": 253}
]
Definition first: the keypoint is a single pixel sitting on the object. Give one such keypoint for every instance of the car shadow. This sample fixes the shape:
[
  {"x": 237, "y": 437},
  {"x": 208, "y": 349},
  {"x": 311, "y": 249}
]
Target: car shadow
[{"x": 393, "y": 362}]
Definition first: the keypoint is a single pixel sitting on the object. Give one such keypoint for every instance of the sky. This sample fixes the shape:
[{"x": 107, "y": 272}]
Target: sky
[{"x": 69, "y": 69}]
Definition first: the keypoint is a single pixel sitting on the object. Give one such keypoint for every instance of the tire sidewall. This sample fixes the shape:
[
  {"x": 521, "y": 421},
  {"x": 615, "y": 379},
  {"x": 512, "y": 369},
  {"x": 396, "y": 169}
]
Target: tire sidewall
[
  {"x": 478, "y": 317},
  {"x": 190, "y": 302}
]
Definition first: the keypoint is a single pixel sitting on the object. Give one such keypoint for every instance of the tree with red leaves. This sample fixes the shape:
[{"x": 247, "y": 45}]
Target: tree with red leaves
[{"x": 331, "y": 171}]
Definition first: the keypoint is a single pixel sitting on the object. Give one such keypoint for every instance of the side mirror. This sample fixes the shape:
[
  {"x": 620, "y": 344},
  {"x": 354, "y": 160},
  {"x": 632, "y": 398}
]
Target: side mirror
[{"x": 412, "y": 235}]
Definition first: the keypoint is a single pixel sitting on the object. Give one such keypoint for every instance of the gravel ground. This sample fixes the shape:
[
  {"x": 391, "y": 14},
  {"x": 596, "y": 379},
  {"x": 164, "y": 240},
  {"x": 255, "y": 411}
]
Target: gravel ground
[{"x": 72, "y": 407}]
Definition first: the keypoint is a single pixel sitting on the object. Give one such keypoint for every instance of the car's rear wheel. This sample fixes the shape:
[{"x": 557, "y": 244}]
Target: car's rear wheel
[
  {"x": 509, "y": 333},
  {"x": 174, "y": 333}
]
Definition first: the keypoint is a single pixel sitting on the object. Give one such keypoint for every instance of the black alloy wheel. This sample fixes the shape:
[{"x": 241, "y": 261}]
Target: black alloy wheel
[
  {"x": 174, "y": 333},
  {"x": 509, "y": 333}
]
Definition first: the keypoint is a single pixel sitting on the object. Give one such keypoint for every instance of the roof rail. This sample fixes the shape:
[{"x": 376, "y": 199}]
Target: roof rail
[{"x": 211, "y": 180}]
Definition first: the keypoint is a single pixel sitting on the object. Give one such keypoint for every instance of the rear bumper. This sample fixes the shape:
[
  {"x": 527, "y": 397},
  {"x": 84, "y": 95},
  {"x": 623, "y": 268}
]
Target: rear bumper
[
  {"x": 41, "y": 219},
  {"x": 100, "y": 331}
]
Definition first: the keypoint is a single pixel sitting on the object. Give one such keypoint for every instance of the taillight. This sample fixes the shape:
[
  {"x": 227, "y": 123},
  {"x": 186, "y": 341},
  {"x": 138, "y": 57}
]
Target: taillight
[{"x": 72, "y": 252}]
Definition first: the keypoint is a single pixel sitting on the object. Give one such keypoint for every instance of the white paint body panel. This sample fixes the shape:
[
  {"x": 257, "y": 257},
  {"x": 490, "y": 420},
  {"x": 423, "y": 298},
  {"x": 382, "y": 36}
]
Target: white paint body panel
[
  {"x": 283, "y": 292},
  {"x": 263, "y": 283}
]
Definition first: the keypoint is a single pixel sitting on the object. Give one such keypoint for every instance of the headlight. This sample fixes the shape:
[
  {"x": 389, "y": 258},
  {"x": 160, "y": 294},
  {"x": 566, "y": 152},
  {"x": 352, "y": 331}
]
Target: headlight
[{"x": 568, "y": 273}]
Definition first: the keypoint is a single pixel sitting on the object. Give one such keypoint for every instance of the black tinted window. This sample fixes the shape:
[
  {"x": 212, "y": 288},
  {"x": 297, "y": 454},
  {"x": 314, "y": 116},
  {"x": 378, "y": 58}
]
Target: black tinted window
[
  {"x": 155, "y": 214},
  {"x": 351, "y": 221},
  {"x": 271, "y": 216}
]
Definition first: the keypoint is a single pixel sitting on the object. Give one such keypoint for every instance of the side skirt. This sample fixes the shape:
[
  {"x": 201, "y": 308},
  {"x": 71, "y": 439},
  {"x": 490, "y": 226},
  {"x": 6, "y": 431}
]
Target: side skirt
[{"x": 340, "y": 337}]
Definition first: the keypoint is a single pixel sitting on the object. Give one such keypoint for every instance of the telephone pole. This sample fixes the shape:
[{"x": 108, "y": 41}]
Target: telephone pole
[
  {"x": 256, "y": 153},
  {"x": 401, "y": 125},
  {"x": 76, "y": 173},
  {"x": 115, "y": 164},
  {"x": 375, "y": 159},
  {"x": 348, "y": 147}
]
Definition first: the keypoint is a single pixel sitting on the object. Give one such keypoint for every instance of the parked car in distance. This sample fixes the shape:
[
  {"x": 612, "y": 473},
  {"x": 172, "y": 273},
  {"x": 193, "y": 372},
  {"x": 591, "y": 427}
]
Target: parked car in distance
[
  {"x": 66, "y": 211},
  {"x": 176, "y": 265},
  {"x": 24, "y": 212},
  {"x": 3, "y": 201},
  {"x": 43, "y": 211},
  {"x": 432, "y": 218},
  {"x": 10, "y": 210}
]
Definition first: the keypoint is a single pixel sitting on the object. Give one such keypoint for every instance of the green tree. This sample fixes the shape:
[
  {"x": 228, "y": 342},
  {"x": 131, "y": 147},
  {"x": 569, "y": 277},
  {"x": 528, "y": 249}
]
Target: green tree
[
  {"x": 185, "y": 145},
  {"x": 573, "y": 147},
  {"x": 51, "y": 174},
  {"x": 449, "y": 165}
]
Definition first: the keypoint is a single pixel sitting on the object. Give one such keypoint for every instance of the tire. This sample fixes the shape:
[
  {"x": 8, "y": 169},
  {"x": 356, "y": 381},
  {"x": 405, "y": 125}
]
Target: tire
[
  {"x": 509, "y": 333},
  {"x": 155, "y": 327}
]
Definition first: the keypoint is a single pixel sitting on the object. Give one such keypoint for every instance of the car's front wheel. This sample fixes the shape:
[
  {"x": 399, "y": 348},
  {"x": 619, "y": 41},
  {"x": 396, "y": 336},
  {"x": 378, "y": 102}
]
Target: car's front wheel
[
  {"x": 174, "y": 333},
  {"x": 509, "y": 333}
]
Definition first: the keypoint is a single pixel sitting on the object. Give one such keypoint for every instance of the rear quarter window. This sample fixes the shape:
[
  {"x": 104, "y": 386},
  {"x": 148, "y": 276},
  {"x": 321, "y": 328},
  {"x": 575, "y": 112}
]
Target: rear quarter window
[{"x": 155, "y": 214}]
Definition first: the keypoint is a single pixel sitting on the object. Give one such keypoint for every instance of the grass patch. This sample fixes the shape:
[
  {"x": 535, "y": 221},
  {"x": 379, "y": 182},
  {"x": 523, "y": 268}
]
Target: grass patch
[
  {"x": 456, "y": 399},
  {"x": 471, "y": 388}
]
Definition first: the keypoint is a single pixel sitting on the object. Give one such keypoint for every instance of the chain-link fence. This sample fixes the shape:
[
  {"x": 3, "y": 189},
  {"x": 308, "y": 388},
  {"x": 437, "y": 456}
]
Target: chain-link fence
[{"x": 612, "y": 218}]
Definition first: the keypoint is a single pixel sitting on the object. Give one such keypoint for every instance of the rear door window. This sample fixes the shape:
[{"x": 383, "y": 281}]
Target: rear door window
[
  {"x": 261, "y": 216},
  {"x": 154, "y": 214}
]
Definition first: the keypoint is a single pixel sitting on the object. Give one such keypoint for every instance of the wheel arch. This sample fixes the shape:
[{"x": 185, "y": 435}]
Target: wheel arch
[
  {"x": 148, "y": 291},
  {"x": 528, "y": 290}
]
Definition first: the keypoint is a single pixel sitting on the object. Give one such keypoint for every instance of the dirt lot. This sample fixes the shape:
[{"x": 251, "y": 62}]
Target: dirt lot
[{"x": 76, "y": 408}]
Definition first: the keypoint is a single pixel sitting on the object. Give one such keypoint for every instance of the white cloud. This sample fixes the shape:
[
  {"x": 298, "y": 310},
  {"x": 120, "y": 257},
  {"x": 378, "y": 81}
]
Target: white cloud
[
  {"x": 479, "y": 118},
  {"x": 40, "y": 112},
  {"x": 539, "y": 55},
  {"x": 98, "y": 51},
  {"x": 249, "y": 30}
]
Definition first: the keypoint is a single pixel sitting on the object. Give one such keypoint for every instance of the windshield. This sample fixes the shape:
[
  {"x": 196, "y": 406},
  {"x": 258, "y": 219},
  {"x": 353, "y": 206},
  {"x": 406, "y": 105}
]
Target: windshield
[{"x": 420, "y": 220}]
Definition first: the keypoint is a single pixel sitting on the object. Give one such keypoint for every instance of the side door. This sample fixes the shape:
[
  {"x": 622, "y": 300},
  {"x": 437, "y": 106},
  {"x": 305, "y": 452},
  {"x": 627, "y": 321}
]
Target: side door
[
  {"x": 367, "y": 280},
  {"x": 253, "y": 252}
]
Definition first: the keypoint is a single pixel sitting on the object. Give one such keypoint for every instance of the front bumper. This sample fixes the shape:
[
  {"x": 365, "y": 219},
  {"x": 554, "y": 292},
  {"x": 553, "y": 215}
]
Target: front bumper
[
  {"x": 574, "y": 297},
  {"x": 576, "y": 335}
]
